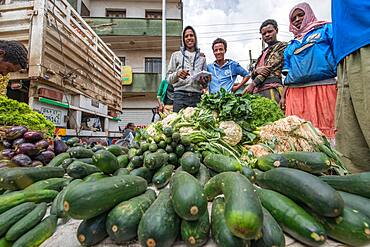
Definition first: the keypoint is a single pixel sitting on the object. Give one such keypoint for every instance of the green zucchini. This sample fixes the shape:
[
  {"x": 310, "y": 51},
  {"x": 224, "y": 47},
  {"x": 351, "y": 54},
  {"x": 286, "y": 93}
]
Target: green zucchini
[
  {"x": 143, "y": 172},
  {"x": 105, "y": 161},
  {"x": 5, "y": 243},
  {"x": 243, "y": 210},
  {"x": 351, "y": 228},
  {"x": 187, "y": 196},
  {"x": 312, "y": 162},
  {"x": 220, "y": 231},
  {"x": 58, "y": 160},
  {"x": 356, "y": 202},
  {"x": 123, "y": 160},
  {"x": 57, "y": 208},
  {"x": 86, "y": 160},
  {"x": 190, "y": 162},
  {"x": 195, "y": 233},
  {"x": 159, "y": 225},
  {"x": 21, "y": 177},
  {"x": 222, "y": 163},
  {"x": 121, "y": 171},
  {"x": 97, "y": 148},
  {"x": 123, "y": 220},
  {"x": 11, "y": 216},
  {"x": 80, "y": 152},
  {"x": 162, "y": 177},
  {"x": 94, "y": 177},
  {"x": 272, "y": 235},
  {"x": 172, "y": 159},
  {"x": 92, "y": 231},
  {"x": 49, "y": 184},
  {"x": 27, "y": 222},
  {"x": 203, "y": 175},
  {"x": 137, "y": 161},
  {"x": 115, "y": 149},
  {"x": 155, "y": 160},
  {"x": 270, "y": 161},
  {"x": 13, "y": 199},
  {"x": 37, "y": 235},
  {"x": 71, "y": 141},
  {"x": 249, "y": 173},
  {"x": 292, "y": 218},
  {"x": 79, "y": 169},
  {"x": 304, "y": 188},
  {"x": 358, "y": 184},
  {"x": 67, "y": 162},
  {"x": 89, "y": 199}
]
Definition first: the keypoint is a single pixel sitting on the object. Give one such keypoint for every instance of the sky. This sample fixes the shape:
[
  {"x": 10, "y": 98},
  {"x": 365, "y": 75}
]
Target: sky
[{"x": 238, "y": 22}]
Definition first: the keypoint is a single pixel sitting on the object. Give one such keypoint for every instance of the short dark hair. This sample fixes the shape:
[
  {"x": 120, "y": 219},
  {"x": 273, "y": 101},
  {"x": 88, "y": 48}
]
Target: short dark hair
[
  {"x": 15, "y": 52},
  {"x": 219, "y": 40},
  {"x": 269, "y": 22},
  {"x": 130, "y": 125}
]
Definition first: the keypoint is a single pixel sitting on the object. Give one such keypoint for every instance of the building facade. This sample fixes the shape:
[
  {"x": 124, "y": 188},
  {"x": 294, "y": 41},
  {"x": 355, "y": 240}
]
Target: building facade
[{"x": 133, "y": 29}]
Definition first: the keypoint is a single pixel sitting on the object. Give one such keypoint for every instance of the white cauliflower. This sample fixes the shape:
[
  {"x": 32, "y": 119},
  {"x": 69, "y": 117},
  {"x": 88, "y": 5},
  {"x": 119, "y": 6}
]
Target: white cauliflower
[
  {"x": 166, "y": 122},
  {"x": 186, "y": 130},
  {"x": 233, "y": 132},
  {"x": 188, "y": 112}
]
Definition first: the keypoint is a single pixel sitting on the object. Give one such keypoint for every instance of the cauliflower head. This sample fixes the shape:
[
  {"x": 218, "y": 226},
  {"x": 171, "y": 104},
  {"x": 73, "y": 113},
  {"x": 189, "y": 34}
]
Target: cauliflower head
[
  {"x": 166, "y": 122},
  {"x": 188, "y": 112},
  {"x": 233, "y": 132}
]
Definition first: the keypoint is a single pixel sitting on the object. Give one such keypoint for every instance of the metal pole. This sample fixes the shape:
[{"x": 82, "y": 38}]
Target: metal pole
[{"x": 164, "y": 35}]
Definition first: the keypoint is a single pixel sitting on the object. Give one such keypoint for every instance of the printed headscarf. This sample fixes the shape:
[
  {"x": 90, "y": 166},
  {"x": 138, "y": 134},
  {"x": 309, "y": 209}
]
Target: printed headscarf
[{"x": 309, "y": 21}]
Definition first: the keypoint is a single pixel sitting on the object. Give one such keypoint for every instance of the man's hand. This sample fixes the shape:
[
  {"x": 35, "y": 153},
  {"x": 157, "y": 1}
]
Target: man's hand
[
  {"x": 183, "y": 74},
  {"x": 203, "y": 80},
  {"x": 160, "y": 107},
  {"x": 282, "y": 103},
  {"x": 249, "y": 88},
  {"x": 263, "y": 70}
]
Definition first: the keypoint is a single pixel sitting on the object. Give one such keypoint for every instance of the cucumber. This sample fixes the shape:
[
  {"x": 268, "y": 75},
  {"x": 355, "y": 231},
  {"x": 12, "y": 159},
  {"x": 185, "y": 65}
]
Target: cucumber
[
  {"x": 304, "y": 188},
  {"x": 5, "y": 243},
  {"x": 144, "y": 146},
  {"x": 21, "y": 177},
  {"x": 123, "y": 220},
  {"x": 180, "y": 150},
  {"x": 159, "y": 225},
  {"x": 80, "y": 152},
  {"x": 243, "y": 210},
  {"x": 143, "y": 172},
  {"x": 292, "y": 218},
  {"x": 155, "y": 160},
  {"x": 312, "y": 162},
  {"x": 249, "y": 173},
  {"x": 79, "y": 169},
  {"x": 351, "y": 228},
  {"x": 71, "y": 141},
  {"x": 203, "y": 175},
  {"x": 27, "y": 222},
  {"x": 89, "y": 199},
  {"x": 105, "y": 161},
  {"x": 272, "y": 235},
  {"x": 121, "y": 171},
  {"x": 8, "y": 218},
  {"x": 356, "y": 202},
  {"x": 97, "y": 148},
  {"x": 190, "y": 162},
  {"x": 153, "y": 147},
  {"x": 67, "y": 162},
  {"x": 270, "y": 161},
  {"x": 137, "y": 161},
  {"x": 58, "y": 160},
  {"x": 162, "y": 177},
  {"x": 94, "y": 177},
  {"x": 358, "y": 184},
  {"x": 92, "y": 231},
  {"x": 37, "y": 235},
  {"x": 162, "y": 144},
  {"x": 222, "y": 163},
  {"x": 187, "y": 196},
  {"x": 115, "y": 149},
  {"x": 220, "y": 231},
  {"x": 49, "y": 184},
  {"x": 58, "y": 203},
  {"x": 172, "y": 159},
  {"x": 86, "y": 160},
  {"x": 123, "y": 160},
  {"x": 195, "y": 233},
  {"x": 13, "y": 199}
]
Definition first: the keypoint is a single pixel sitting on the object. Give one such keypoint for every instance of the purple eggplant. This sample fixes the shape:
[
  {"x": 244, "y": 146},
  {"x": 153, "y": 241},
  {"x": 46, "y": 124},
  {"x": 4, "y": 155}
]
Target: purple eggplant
[
  {"x": 18, "y": 142},
  {"x": 22, "y": 160},
  {"x": 42, "y": 145},
  {"x": 59, "y": 146},
  {"x": 7, "y": 153},
  {"x": 33, "y": 136},
  {"x": 27, "y": 148},
  {"x": 15, "y": 132},
  {"x": 6, "y": 144},
  {"x": 36, "y": 163},
  {"x": 50, "y": 148},
  {"x": 45, "y": 157}
]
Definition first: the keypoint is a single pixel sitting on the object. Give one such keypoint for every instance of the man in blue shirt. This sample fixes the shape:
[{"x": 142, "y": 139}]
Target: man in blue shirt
[
  {"x": 224, "y": 71},
  {"x": 351, "y": 39}
]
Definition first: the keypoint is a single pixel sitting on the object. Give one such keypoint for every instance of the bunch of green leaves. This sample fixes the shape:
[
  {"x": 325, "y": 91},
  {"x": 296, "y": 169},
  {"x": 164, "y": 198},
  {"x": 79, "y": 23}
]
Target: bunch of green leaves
[{"x": 14, "y": 113}]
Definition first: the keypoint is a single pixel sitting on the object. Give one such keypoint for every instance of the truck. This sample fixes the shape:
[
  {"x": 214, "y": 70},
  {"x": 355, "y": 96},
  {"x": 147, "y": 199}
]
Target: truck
[{"x": 73, "y": 77}]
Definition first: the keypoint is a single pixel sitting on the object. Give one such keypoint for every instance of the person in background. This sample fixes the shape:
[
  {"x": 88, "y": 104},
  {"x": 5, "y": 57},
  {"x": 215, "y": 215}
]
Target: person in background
[
  {"x": 224, "y": 71},
  {"x": 13, "y": 57},
  {"x": 184, "y": 65},
  {"x": 165, "y": 97},
  {"x": 266, "y": 74},
  {"x": 351, "y": 27},
  {"x": 129, "y": 133},
  {"x": 310, "y": 70}
]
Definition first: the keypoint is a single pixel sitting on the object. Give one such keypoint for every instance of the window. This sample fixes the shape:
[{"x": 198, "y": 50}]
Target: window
[
  {"x": 123, "y": 60},
  {"x": 115, "y": 13},
  {"x": 153, "y": 65},
  {"x": 153, "y": 14}
]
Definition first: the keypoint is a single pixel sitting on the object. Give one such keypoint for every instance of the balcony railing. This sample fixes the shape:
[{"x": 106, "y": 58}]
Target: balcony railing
[{"x": 143, "y": 83}]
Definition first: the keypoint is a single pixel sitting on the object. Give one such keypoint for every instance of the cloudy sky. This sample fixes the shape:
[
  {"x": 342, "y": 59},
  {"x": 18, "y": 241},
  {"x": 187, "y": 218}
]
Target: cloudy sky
[{"x": 238, "y": 21}]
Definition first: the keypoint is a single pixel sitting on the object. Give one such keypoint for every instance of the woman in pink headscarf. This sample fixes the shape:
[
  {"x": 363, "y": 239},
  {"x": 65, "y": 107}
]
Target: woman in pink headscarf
[{"x": 310, "y": 70}]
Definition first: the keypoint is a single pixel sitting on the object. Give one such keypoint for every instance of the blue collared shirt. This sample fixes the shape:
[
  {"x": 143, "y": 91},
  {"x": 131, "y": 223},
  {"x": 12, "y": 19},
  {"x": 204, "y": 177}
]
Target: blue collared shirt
[{"x": 225, "y": 76}]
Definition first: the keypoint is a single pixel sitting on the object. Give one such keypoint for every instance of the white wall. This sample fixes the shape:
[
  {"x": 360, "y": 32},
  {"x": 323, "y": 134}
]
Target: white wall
[{"x": 134, "y": 9}]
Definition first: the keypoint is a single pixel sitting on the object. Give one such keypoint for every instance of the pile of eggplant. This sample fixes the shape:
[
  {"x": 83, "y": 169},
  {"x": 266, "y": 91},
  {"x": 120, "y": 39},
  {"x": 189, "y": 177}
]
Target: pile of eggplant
[{"x": 21, "y": 147}]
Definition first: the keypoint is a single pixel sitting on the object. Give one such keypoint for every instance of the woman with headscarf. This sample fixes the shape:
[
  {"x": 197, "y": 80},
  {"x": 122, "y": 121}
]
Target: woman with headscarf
[{"x": 310, "y": 70}]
